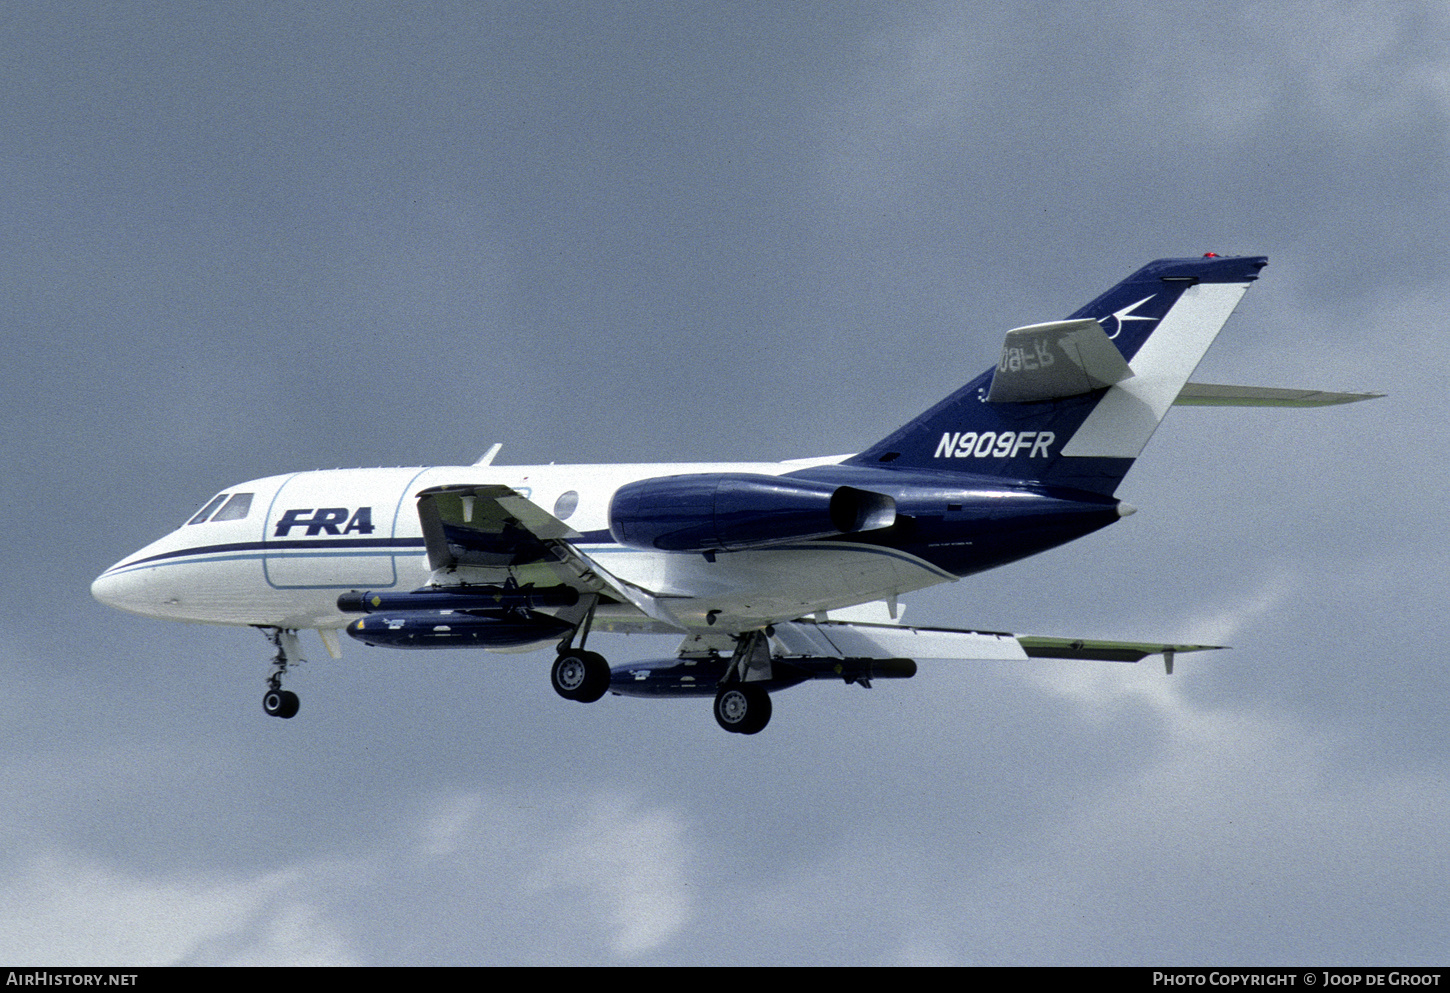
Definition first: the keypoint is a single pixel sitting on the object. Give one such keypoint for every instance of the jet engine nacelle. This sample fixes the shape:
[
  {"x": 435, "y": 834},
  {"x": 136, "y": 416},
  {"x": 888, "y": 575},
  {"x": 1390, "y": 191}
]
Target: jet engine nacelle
[{"x": 713, "y": 512}]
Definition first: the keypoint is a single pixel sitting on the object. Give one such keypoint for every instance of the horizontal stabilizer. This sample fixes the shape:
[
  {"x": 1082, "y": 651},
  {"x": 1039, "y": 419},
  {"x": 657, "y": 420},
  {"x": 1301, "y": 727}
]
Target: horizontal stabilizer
[
  {"x": 1055, "y": 360},
  {"x": 884, "y": 641},
  {"x": 1213, "y": 395}
]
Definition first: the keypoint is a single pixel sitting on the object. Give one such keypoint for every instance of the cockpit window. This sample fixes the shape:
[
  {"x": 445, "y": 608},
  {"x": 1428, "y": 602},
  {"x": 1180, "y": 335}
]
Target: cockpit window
[
  {"x": 206, "y": 511},
  {"x": 236, "y": 508}
]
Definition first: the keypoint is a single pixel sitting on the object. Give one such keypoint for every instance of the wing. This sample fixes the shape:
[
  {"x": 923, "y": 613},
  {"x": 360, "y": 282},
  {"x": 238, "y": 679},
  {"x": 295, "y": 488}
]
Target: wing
[
  {"x": 846, "y": 639},
  {"x": 468, "y": 529},
  {"x": 489, "y": 527}
]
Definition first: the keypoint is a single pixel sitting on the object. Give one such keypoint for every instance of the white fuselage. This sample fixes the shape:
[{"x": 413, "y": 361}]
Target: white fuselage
[{"x": 309, "y": 536}]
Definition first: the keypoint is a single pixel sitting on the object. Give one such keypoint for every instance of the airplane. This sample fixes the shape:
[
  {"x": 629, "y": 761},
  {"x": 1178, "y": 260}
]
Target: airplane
[{"x": 771, "y": 573}]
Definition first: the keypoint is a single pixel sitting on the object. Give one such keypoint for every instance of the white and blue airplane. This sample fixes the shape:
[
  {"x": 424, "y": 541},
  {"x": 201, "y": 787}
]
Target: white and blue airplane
[{"x": 771, "y": 573}]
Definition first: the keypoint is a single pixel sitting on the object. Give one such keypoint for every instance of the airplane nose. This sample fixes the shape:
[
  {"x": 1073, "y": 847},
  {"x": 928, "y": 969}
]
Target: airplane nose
[
  {"x": 122, "y": 590},
  {"x": 107, "y": 589}
]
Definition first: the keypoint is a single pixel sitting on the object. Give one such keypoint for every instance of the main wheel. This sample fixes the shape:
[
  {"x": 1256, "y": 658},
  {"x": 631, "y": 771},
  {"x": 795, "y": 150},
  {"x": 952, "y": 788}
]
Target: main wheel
[
  {"x": 581, "y": 676},
  {"x": 281, "y": 703},
  {"x": 742, "y": 708}
]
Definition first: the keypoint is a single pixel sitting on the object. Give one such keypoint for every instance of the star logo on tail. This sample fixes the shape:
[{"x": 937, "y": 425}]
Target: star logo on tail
[{"x": 1126, "y": 314}]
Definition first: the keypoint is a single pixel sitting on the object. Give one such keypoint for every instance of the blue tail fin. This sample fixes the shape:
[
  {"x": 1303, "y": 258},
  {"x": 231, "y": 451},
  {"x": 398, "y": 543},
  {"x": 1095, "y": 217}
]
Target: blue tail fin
[{"x": 1066, "y": 409}]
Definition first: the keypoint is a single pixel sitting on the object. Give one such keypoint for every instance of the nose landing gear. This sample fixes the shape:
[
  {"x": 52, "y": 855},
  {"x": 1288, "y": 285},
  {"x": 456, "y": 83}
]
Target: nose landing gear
[
  {"x": 281, "y": 703},
  {"x": 278, "y": 702}
]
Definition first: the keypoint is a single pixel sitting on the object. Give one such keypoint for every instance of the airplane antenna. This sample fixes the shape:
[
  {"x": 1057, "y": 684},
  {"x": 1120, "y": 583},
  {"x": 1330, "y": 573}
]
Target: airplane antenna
[{"x": 490, "y": 455}]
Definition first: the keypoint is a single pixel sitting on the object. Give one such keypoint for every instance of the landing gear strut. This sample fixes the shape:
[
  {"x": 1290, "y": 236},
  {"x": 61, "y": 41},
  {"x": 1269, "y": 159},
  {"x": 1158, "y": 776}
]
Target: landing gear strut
[
  {"x": 577, "y": 674},
  {"x": 744, "y": 707},
  {"x": 278, "y": 702}
]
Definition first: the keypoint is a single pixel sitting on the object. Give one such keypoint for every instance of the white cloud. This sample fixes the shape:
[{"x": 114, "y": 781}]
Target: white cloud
[
  {"x": 1354, "y": 67},
  {"x": 62, "y": 909},
  {"x": 614, "y": 867},
  {"x": 1236, "y": 836},
  {"x": 583, "y": 876},
  {"x": 1177, "y": 74},
  {"x": 632, "y": 867},
  {"x": 1242, "y": 817}
]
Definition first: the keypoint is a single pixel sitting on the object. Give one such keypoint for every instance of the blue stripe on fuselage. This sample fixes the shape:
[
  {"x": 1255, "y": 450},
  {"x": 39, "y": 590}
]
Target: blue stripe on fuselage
[{"x": 328, "y": 547}]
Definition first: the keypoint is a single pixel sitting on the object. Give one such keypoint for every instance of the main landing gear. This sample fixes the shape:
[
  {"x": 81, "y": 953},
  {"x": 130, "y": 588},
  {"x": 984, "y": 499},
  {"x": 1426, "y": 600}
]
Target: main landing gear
[
  {"x": 278, "y": 702},
  {"x": 577, "y": 674},
  {"x": 739, "y": 684},
  {"x": 580, "y": 675},
  {"x": 742, "y": 706}
]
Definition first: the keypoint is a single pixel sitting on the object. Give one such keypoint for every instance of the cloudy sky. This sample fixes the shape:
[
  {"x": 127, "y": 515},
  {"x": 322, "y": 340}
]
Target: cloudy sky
[{"x": 243, "y": 239}]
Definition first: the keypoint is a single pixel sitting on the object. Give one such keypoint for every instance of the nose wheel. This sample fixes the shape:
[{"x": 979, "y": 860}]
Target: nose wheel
[{"x": 278, "y": 702}]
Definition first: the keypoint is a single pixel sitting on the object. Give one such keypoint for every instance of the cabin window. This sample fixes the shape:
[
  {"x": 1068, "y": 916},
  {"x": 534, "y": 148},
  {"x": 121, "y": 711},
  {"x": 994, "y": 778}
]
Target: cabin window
[
  {"x": 236, "y": 508},
  {"x": 567, "y": 503},
  {"x": 206, "y": 511}
]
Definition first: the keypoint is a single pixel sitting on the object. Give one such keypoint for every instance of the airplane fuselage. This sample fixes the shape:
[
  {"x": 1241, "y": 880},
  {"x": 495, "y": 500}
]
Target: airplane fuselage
[{"x": 309, "y": 536}]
